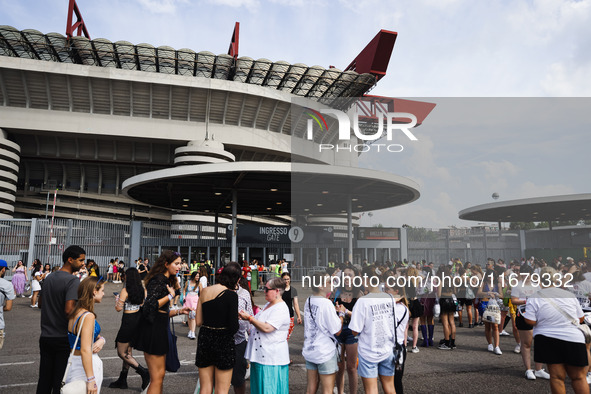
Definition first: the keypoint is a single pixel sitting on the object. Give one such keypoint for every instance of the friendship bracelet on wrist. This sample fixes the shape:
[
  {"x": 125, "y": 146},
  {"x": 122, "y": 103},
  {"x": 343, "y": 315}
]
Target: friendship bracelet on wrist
[
  {"x": 170, "y": 297},
  {"x": 90, "y": 379}
]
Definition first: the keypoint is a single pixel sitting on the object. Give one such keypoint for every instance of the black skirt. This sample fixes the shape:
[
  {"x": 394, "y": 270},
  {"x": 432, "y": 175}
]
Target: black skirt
[
  {"x": 447, "y": 305},
  {"x": 128, "y": 331},
  {"x": 556, "y": 351},
  {"x": 416, "y": 308},
  {"x": 215, "y": 348},
  {"x": 152, "y": 338}
]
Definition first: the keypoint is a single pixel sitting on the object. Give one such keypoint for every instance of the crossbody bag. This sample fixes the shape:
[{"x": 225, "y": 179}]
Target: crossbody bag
[
  {"x": 575, "y": 322},
  {"x": 75, "y": 386}
]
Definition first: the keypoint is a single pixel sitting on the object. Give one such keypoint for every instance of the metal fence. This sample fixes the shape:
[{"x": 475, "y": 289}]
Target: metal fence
[
  {"x": 27, "y": 239},
  {"x": 475, "y": 245}
]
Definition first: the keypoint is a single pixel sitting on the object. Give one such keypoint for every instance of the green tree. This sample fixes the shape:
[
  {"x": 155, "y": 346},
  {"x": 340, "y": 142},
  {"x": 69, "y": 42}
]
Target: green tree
[{"x": 521, "y": 225}]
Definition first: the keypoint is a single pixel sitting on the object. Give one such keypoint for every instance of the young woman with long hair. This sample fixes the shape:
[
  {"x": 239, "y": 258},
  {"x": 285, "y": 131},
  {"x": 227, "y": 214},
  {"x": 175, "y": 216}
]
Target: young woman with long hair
[
  {"x": 375, "y": 328},
  {"x": 490, "y": 292},
  {"x": 202, "y": 278},
  {"x": 217, "y": 317},
  {"x": 290, "y": 297},
  {"x": 191, "y": 299},
  {"x": 129, "y": 301},
  {"x": 86, "y": 363},
  {"x": 413, "y": 281},
  {"x": 402, "y": 325},
  {"x": 476, "y": 271},
  {"x": 36, "y": 277},
  {"x": 19, "y": 279},
  {"x": 427, "y": 294},
  {"x": 347, "y": 295},
  {"x": 161, "y": 286},
  {"x": 322, "y": 324},
  {"x": 446, "y": 294}
]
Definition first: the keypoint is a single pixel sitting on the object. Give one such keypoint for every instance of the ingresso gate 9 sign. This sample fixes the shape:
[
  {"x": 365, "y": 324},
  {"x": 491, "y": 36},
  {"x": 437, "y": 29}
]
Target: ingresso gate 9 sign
[{"x": 259, "y": 234}]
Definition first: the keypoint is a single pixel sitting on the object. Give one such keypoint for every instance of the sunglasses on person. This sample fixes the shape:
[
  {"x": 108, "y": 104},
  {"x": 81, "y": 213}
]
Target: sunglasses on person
[{"x": 268, "y": 290}]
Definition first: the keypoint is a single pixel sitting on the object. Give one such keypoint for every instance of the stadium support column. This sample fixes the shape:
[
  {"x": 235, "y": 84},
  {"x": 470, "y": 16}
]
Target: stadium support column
[
  {"x": 234, "y": 225},
  {"x": 9, "y": 167},
  {"x": 522, "y": 242},
  {"x": 135, "y": 240},
  {"x": 403, "y": 244},
  {"x": 349, "y": 230}
]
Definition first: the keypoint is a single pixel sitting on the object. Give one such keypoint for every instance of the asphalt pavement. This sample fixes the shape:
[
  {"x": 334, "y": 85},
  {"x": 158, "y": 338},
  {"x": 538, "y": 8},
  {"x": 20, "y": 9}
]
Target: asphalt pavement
[{"x": 468, "y": 369}]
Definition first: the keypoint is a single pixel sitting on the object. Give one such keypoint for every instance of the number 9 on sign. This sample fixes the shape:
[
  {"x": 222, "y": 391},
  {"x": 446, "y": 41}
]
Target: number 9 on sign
[{"x": 296, "y": 234}]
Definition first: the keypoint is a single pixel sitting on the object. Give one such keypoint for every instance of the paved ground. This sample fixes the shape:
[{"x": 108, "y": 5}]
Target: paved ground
[{"x": 468, "y": 369}]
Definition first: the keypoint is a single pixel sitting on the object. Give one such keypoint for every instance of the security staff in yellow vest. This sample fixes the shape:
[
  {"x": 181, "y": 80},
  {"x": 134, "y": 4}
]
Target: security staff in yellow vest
[{"x": 194, "y": 267}]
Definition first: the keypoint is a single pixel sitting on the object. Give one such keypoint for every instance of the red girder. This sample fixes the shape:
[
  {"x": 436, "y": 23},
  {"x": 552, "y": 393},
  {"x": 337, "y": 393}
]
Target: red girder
[
  {"x": 233, "y": 50},
  {"x": 372, "y": 107},
  {"x": 374, "y": 58},
  {"x": 79, "y": 26}
]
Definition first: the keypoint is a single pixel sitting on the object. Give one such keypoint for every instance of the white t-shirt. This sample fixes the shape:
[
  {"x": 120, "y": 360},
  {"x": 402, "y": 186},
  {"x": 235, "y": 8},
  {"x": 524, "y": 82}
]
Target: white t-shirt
[
  {"x": 270, "y": 348},
  {"x": 523, "y": 292},
  {"x": 550, "y": 322},
  {"x": 402, "y": 316},
  {"x": 581, "y": 290},
  {"x": 203, "y": 282},
  {"x": 322, "y": 323},
  {"x": 373, "y": 319},
  {"x": 284, "y": 267},
  {"x": 587, "y": 275}
]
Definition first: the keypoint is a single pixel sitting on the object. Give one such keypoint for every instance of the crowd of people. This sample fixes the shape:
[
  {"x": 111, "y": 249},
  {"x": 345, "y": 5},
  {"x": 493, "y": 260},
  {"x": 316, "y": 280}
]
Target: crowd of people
[{"x": 358, "y": 329}]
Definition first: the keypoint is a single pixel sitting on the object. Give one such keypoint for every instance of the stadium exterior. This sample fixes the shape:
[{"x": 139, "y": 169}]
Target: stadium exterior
[{"x": 115, "y": 126}]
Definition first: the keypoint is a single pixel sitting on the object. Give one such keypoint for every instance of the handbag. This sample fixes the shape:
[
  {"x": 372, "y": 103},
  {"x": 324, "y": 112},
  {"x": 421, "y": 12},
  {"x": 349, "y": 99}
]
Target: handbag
[
  {"x": 398, "y": 349},
  {"x": 75, "y": 386},
  {"x": 583, "y": 327},
  {"x": 172, "y": 356},
  {"x": 492, "y": 313},
  {"x": 436, "y": 309}
]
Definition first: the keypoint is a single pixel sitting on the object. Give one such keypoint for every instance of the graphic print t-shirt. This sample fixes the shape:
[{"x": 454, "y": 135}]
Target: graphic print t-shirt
[
  {"x": 322, "y": 323},
  {"x": 373, "y": 319}
]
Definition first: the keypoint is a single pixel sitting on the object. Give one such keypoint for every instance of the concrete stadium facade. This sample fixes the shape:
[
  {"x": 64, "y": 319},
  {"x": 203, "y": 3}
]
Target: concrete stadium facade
[{"x": 85, "y": 116}]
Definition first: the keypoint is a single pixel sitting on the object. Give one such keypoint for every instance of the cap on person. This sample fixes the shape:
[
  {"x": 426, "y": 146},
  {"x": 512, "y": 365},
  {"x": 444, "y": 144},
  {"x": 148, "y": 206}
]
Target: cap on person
[{"x": 3, "y": 263}]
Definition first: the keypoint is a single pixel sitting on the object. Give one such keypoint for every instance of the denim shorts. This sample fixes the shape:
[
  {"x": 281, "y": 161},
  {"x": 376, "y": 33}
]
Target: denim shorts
[
  {"x": 327, "y": 368},
  {"x": 368, "y": 369},
  {"x": 346, "y": 336}
]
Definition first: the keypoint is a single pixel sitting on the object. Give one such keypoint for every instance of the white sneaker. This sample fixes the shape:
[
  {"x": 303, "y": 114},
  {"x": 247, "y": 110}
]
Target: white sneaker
[
  {"x": 491, "y": 348},
  {"x": 517, "y": 349},
  {"x": 504, "y": 333},
  {"x": 529, "y": 374},
  {"x": 414, "y": 350},
  {"x": 409, "y": 339},
  {"x": 498, "y": 350},
  {"x": 31, "y": 296},
  {"x": 542, "y": 374}
]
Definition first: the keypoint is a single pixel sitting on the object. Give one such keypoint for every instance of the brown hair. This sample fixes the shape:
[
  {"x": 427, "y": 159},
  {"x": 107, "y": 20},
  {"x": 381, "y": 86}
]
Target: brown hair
[
  {"x": 167, "y": 257},
  {"x": 203, "y": 271},
  {"x": 86, "y": 295}
]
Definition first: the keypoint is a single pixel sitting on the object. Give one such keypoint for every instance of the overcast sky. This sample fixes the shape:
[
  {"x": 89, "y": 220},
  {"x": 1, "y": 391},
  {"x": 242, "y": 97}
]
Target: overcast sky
[{"x": 467, "y": 148}]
